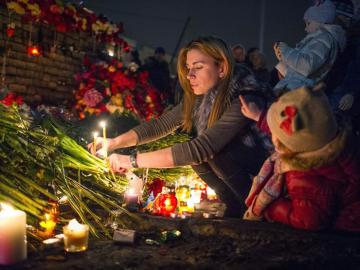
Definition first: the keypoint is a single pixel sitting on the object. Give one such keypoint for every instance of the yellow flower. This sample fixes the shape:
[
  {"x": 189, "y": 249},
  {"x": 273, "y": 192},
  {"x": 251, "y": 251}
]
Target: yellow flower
[
  {"x": 111, "y": 69},
  {"x": 16, "y": 7},
  {"x": 84, "y": 24},
  {"x": 40, "y": 174},
  {"x": 71, "y": 7},
  {"x": 148, "y": 99},
  {"x": 35, "y": 10},
  {"x": 117, "y": 100}
]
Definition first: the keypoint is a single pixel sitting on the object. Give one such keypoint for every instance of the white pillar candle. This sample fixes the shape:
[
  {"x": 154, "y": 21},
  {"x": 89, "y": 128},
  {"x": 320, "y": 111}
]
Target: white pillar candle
[
  {"x": 104, "y": 144},
  {"x": 76, "y": 236},
  {"x": 13, "y": 243},
  {"x": 95, "y": 134}
]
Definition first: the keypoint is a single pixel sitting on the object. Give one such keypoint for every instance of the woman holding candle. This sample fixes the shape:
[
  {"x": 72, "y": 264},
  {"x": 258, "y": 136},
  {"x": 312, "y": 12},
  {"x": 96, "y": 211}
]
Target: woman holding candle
[{"x": 226, "y": 148}]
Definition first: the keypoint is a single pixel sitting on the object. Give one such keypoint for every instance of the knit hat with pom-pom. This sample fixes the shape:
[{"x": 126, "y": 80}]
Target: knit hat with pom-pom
[{"x": 302, "y": 119}]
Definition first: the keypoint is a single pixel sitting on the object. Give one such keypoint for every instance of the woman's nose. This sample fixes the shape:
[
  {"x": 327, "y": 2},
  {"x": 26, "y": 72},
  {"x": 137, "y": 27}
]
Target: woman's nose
[{"x": 190, "y": 74}]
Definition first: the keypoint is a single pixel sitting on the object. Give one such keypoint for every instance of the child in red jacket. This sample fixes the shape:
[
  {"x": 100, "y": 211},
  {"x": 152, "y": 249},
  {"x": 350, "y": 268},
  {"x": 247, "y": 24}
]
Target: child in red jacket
[{"x": 312, "y": 181}]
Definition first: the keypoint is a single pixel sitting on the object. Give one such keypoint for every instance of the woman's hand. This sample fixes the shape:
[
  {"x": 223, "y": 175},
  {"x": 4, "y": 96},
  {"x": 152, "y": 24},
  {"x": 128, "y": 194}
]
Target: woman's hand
[
  {"x": 250, "y": 109},
  {"x": 119, "y": 163},
  {"x": 99, "y": 149}
]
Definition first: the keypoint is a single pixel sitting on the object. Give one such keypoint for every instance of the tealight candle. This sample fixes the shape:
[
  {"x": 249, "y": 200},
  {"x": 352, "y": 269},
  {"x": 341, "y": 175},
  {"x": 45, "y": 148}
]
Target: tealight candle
[
  {"x": 13, "y": 243},
  {"x": 131, "y": 199},
  {"x": 76, "y": 236}
]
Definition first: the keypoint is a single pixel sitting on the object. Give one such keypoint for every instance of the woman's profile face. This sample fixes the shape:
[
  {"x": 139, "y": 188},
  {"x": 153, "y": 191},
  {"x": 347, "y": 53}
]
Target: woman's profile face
[{"x": 203, "y": 72}]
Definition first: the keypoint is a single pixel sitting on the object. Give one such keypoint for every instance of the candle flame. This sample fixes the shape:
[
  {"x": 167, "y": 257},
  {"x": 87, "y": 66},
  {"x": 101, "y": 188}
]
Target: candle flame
[
  {"x": 210, "y": 191},
  {"x": 103, "y": 124},
  {"x": 111, "y": 52},
  {"x": 95, "y": 134},
  {"x": 4, "y": 207},
  {"x": 49, "y": 223}
]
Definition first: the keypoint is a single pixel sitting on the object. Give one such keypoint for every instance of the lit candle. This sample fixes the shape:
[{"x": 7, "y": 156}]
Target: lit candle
[
  {"x": 76, "y": 236},
  {"x": 95, "y": 143},
  {"x": 13, "y": 244},
  {"x": 196, "y": 196},
  {"x": 131, "y": 199},
  {"x": 211, "y": 195},
  {"x": 136, "y": 184},
  {"x": 104, "y": 144},
  {"x": 49, "y": 225}
]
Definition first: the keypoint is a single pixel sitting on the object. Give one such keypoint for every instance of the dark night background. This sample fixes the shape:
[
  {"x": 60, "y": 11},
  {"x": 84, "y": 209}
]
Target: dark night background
[{"x": 250, "y": 22}]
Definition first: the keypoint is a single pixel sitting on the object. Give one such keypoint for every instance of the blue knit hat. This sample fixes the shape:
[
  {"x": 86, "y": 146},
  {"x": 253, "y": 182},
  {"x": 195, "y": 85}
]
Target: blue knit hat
[
  {"x": 344, "y": 7},
  {"x": 323, "y": 13}
]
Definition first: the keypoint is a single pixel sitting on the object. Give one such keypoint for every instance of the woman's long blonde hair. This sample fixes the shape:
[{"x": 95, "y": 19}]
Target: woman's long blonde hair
[{"x": 217, "y": 49}]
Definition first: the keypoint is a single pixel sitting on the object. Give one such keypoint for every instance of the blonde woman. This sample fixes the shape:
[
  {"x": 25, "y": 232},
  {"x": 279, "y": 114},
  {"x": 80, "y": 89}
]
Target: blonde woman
[{"x": 225, "y": 150}]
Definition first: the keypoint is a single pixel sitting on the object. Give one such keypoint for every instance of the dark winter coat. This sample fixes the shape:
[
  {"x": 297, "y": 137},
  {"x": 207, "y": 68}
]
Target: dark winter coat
[
  {"x": 344, "y": 77},
  {"x": 159, "y": 74}
]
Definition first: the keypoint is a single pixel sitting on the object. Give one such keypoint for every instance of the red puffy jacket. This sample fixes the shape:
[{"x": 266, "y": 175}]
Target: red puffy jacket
[{"x": 326, "y": 196}]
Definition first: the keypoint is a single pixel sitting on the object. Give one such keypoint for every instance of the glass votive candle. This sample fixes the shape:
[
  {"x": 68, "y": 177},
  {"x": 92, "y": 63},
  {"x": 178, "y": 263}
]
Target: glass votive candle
[{"x": 76, "y": 236}]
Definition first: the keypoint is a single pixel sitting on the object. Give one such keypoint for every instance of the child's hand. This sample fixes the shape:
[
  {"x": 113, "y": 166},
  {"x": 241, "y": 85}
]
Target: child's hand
[
  {"x": 250, "y": 109},
  {"x": 249, "y": 215},
  {"x": 346, "y": 102}
]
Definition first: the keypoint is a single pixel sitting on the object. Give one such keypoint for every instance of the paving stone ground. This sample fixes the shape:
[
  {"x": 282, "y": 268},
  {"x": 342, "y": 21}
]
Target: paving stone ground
[{"x": 209, "y": 244}]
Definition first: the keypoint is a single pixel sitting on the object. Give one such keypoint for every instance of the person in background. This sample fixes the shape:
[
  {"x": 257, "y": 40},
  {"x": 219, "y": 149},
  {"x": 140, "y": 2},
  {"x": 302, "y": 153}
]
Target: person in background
[
  {"x": 258, "y": 61},
  {"x": 159, "y": 73},
  {"x": 250, "y": 52},
  {"x": 343, "y": 81},
  {"x": 312, "y": 181},
  {"x": 239, "y": 53},
  {"x": 225, "y": 149},
  {"x": 311, "y": 59},
  {"x": 135, "y": 57}
]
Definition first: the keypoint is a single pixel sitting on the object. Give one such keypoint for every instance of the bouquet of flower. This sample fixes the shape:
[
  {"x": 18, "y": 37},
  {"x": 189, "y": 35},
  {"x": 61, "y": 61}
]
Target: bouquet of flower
[
  {"x": 11, "y": 98},
  {"x": 67, "y": 17},
  {"x": 112, "y": 87}
]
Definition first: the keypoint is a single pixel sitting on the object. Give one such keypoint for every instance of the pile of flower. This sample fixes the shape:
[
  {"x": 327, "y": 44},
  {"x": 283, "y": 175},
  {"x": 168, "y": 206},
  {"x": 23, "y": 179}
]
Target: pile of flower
[
  {"x": 11, "y": 98},
  {"x": 67, "y": 17},
  {"x": 112, "y": 87}
]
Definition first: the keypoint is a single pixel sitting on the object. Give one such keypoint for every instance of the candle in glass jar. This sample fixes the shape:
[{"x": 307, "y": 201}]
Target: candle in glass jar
[
  {"x": 76, "y": 236},
  {"x": 131, "y": 199},
  {"x": 13, "y": 243}
]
